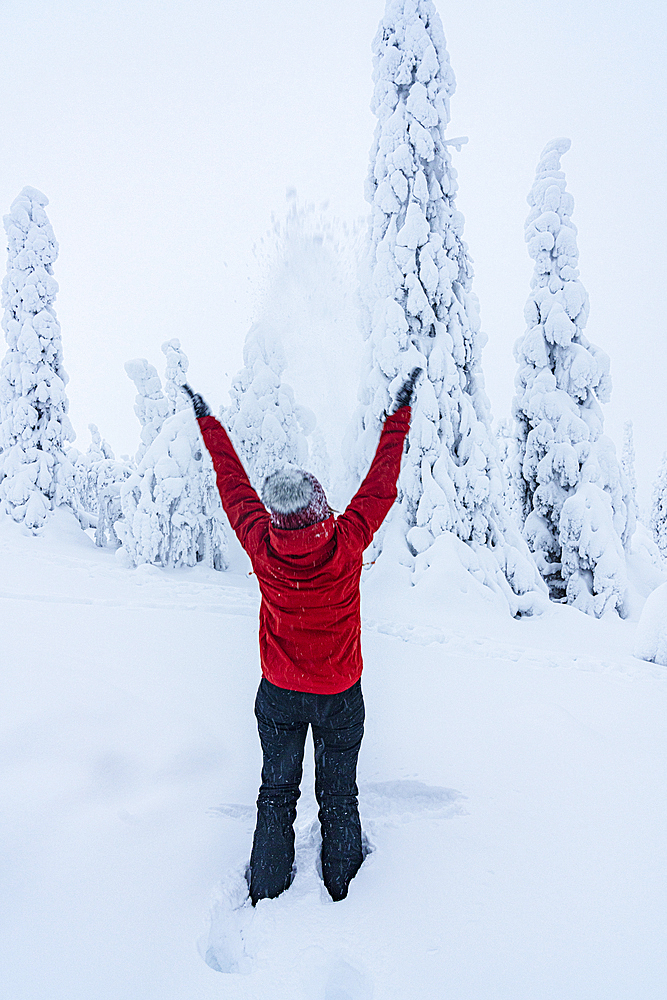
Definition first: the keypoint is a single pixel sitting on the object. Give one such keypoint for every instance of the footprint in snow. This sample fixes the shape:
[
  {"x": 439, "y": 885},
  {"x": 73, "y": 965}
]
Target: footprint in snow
[
  {"x": 232, "y": 939},
  {"x": 223, "y": 946},
  {"x": 234, "y": 810},
  {"x": 377, "y": 800},
  {"x": 347, "y": 983},
  {"x": 237, "y": 930},
  {"x": 421, "y": 635},
  {"x": 394, "y": 799}
]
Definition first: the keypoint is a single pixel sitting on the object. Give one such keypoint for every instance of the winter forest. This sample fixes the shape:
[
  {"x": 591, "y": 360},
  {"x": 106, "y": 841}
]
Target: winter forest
[
  {"x": 543, "y": 500},
  {"x": 514, "y": 605}
]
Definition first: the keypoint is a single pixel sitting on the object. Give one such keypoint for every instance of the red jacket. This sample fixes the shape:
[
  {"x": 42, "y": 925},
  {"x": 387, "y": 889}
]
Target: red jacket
[{"x": 309, "y": 620}]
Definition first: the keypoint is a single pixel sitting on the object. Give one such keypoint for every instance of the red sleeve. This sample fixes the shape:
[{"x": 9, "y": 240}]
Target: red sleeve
[
  {"x": 374, "y": 498},
  {"x": 246, "y": 512}
]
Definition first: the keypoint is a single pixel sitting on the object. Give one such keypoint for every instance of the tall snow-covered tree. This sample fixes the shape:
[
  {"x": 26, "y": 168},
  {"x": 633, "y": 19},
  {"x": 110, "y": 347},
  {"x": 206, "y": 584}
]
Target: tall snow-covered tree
[
  {"x": 658, "y": 514},
  {"x": 171, "y": 510},
  {"x": 35, "y": 473},
  {"x": 421, "y": 312},
  {"x": 269, "y": 430},
  {"x": 571, "y": 491}
]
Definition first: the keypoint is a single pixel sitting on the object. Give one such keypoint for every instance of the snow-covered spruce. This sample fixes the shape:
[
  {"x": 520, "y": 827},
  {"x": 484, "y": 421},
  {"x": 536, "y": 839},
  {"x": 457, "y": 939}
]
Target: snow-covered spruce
[
  {"x": 420, "y": 311},
  {"x": 151, "y": 405},
  {"x": 658, "y": 514},
  {"x": 176, "y": 374},
  {"x": 171, "y": 511},
  {"x": 98, "y": 478},
  {"x": 628, "y": 467},
  {"x": 35, "y": 473},
  {"x": 504, "y": 431},
  {"x": 571, "y": 492},
  {"x": 267, "y": 427}
]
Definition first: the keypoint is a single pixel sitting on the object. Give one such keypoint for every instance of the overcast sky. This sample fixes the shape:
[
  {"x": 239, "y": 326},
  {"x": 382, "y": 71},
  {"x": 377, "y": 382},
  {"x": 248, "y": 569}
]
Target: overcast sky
[{"x": 166, "y": 133}]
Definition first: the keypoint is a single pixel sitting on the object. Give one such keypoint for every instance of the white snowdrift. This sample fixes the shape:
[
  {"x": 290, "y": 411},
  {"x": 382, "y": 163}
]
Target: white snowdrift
[
  {"x": 511, "y": 789},
  {"x": 651, "y": 635}
]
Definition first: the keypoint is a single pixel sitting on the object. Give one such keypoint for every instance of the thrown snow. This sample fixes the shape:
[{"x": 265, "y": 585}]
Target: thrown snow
[{"x": 511, "y": 785}]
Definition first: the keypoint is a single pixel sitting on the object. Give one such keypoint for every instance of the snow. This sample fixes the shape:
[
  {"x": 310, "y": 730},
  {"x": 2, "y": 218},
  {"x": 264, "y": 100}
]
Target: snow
[
  {"x": 511, "y": 784},
  {"x": 651, "y": 637}
]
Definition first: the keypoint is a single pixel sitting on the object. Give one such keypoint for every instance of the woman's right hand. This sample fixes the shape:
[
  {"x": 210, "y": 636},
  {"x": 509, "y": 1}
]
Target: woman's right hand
[
  {"x": 405, "y": 393},
  {"x": 199, "y": 405}
]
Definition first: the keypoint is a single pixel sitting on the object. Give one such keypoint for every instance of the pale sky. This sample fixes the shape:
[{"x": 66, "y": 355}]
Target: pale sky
[{"x": 166, "y": 133}]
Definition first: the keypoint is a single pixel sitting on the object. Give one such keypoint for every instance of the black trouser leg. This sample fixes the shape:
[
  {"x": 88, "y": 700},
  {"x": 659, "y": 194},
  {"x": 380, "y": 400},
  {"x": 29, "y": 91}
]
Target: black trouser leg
[
  {"x": 337, "y": 740},
  {"x": 272, "y": 855},
  {"x": 283, "y": 717}
]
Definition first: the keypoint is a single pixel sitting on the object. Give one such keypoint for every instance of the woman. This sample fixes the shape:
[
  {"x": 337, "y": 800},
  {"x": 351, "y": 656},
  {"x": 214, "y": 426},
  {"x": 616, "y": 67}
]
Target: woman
[{"x": 308, "y": 565}]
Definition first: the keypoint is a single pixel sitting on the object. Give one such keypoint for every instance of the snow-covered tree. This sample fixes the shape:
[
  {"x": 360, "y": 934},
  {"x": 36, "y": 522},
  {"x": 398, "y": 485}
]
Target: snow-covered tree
[
  {"x": 84, "y": 478},
  {"x": 505, "y": 439},
  {"x": 266, "y": 425},
  {"x": 171, "y": 511},
  {"x": 151, "y": 406},
  {"x": 571, "y": 492},
  {"x": 319, "y": 461},
  {"x": 35, "y": 473},
  {"x": 98, "y": 449},
  {"x": 658, "y": 515},
  {"x": 176, "y": 374},
  {"x": 421, "y": 311},
  {"x": 98, "y": 478},
  {"x": 628, "y": 465}
]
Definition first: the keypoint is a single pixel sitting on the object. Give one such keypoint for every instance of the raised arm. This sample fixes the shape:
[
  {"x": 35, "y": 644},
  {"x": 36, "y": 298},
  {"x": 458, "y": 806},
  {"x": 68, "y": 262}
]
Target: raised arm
[
  {"x": 374, "y": 498},
  {"x": 240, "y": 501}
]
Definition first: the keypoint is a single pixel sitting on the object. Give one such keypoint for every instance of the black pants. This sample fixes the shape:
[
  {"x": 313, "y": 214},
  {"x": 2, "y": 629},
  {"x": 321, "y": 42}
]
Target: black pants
[{"x": 283, "y": 718}]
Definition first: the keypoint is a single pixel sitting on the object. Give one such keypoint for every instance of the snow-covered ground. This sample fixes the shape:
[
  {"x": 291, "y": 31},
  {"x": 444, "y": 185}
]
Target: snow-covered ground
[{"x": 512, "y": 783}]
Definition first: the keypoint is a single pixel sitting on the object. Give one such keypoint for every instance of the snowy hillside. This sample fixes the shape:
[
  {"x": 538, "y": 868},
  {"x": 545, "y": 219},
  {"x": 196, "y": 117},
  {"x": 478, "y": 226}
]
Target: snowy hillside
[{"x": 512, "y": 793}]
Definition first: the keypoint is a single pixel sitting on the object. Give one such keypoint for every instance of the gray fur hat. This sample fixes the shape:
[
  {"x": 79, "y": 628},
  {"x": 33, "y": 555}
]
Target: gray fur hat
[{"x": 294, "y": 498}]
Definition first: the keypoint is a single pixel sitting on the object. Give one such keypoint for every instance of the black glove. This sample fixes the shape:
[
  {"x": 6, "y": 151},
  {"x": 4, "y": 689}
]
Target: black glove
[
  {"x": 200, "y": 407},
  {"x": 404, "y": 394}
]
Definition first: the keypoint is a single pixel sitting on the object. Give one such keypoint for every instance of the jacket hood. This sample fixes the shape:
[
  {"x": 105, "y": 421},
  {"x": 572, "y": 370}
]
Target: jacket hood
[{"x": 316, "y": 541}]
